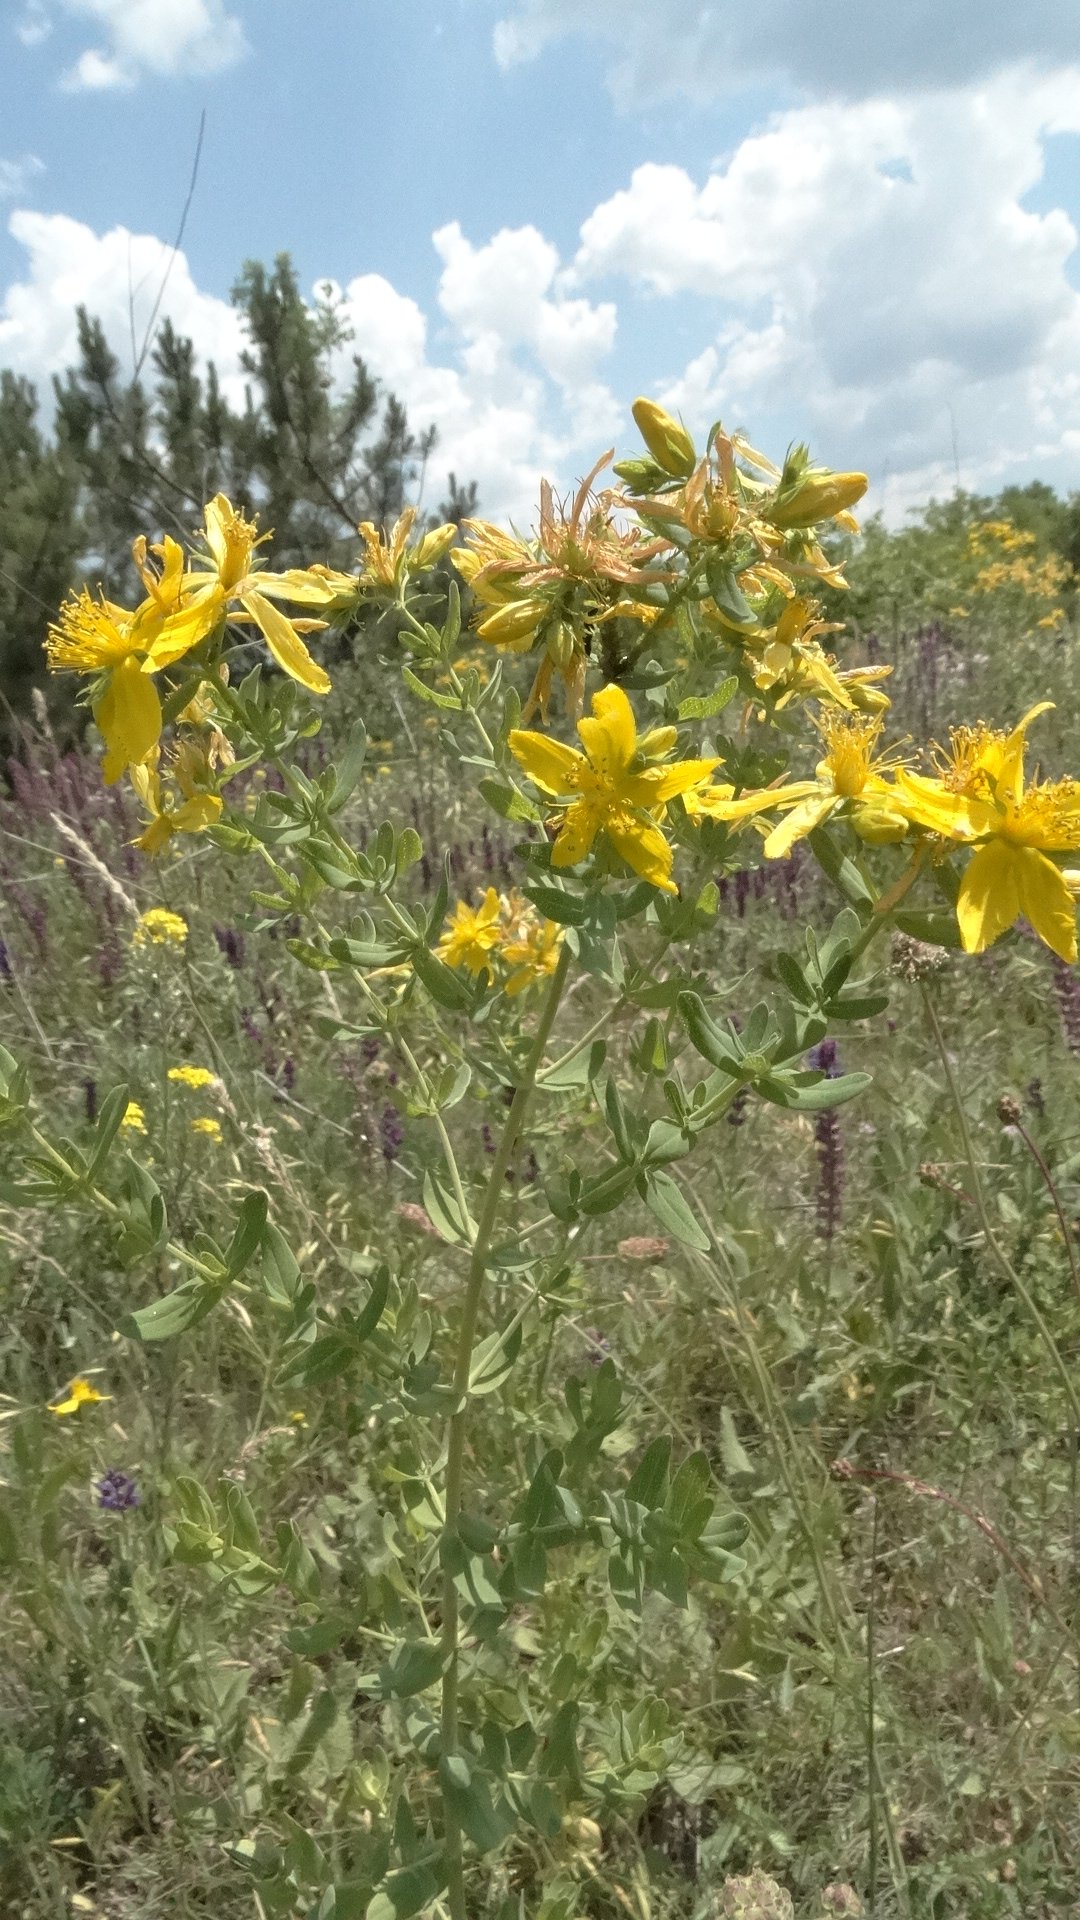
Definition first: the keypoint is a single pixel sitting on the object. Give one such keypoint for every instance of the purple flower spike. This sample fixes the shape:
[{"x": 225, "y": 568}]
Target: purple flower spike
[{"x": 117, "y": 1491}]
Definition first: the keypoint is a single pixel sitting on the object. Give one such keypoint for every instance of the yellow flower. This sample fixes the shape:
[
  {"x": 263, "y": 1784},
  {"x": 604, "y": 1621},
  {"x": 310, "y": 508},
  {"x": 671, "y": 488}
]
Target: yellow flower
[
  {"x": 849, "y": 771},
  {"x": 616, "y": 794},
  {"x": 158, "y": 927},
  {"x": 93, "y": 636},
  {"x": 205, "y": 1124},
  {"x": 197, "y": 809},
  {"x": 980, "y": 798},
  {"x": 232, "y": 584},
  {"x": 531, "y": 951},
  {"x": 298, "y": 1418},
  {"x": 471, "y": 934},
  {"x": 133, "y": 1119},
  {"x": 192, "y": 1076},
  {"x": 79, "y": 1394}
]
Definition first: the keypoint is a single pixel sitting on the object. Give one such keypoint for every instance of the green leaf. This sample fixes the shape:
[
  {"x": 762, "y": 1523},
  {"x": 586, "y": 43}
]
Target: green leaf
[
  {"x": 448, "y": 702},
  {"x": 280, "y": 1270},
  {"x": 648, "y": 1483},
  {"x": 508, "y": 803},
  {"x": 408, "y": 1891},
  {"x": 413, "y": 1666},
  {"x": 568, "y": 909},
  {"x": 707, "y": 706},
  {"x": 811, "y": 1093},
  {"x": 492, "y": 1361},
  {"x": 669, "y": 1205},
  {"x": 468, "y": 1796},
  {"x": 446, "y": 987},
  {"x": 721, "y": 1049},
  {"x": 174, "y": 1313},
  {"x": 248, "y": 1233},
  {"x": 113, "y": 1108},
  {"x": 444, "y": 1212}
]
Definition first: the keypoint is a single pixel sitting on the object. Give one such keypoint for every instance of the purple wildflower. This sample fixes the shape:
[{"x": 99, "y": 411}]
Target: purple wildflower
[
  {"x": 599, "y": 1345},
  {"x": 5, "y": 964},
  {"x": 736, "y": 1113},
  {"x": 231, "y": 944},
  {"x": 117, "y": 1492},
  {"x": 1067, "y": 989},
  {"x": 391, "y": 1133},
  {"x": 829, "y": 1143},
  {"x": 90, "y": 1096}
]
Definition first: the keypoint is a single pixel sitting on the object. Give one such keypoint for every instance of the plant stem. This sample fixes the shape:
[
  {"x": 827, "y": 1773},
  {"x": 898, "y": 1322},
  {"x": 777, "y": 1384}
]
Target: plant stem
[{"x": 455, "y": 1453}]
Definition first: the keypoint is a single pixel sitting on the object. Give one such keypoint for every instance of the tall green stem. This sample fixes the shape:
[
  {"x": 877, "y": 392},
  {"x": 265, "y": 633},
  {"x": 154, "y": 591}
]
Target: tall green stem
[{"x": 455, "y": 1453}]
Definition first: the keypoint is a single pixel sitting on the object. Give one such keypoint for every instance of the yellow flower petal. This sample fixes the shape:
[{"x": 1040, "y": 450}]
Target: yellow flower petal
[
  {"x": 1047, "y": 901},
  {"x": 579, "y": 828},
  {"x": 989, "y": 899},
  {"x": 128, "y": 715},
  {"x": 548, "y": 763},
  {"x": 285, "y": 643},
  {"x": 797, "y": 824},
  {"x": 643, "y": 847},
  {"x": 610, "y": 737}
]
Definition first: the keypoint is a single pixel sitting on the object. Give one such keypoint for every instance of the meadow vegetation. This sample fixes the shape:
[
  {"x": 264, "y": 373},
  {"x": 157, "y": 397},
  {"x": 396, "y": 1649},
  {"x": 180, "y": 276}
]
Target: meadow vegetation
[{"x": 524, "y": 1391}]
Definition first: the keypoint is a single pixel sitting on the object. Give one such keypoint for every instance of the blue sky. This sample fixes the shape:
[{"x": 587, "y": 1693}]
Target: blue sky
[{"x": 536, "y": 208}]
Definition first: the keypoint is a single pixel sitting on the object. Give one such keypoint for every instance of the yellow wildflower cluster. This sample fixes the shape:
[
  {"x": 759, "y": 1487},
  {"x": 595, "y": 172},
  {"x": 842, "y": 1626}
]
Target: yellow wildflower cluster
[
  {"x": 976, "y": 798},
  {"x": 1006, "y": 561},
  {"x": 729, "y": 539},
  {"x": 190, "y": 599},
  {"x": 157, "y": 927},
  {"x": 194, "y": 1077},
  {"x": 133, "y": 1119},
  {"x": 503, "y": 935}
]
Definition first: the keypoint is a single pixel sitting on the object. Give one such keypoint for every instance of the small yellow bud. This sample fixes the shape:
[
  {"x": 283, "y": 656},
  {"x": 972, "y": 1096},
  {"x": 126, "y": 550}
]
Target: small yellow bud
[
  {"x": 667, "y": 439},
  {"x": 880, "y": 826},
  {"x": 820, "y": 496},
  {"x": 433, "y": 546},
  {"x": 562, "y": 644},
  {"x": 658, "y": 741},
  {"x": 514, "y": 626},
  {"x": 867, "y": 699}
]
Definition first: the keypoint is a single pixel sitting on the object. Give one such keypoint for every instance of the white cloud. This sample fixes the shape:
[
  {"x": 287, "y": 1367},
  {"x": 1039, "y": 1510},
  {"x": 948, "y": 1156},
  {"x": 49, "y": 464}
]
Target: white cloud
[
  {"x": 870, "y": 266},
  {"x": 672, "y": 47},
  {"x": 117, "y": 276},
  {"x": 168, "y": 39},
  {"x": 512, "y": 383},
  {"x": 16, "y": 175},
  {"x": 865, "y": 274}
]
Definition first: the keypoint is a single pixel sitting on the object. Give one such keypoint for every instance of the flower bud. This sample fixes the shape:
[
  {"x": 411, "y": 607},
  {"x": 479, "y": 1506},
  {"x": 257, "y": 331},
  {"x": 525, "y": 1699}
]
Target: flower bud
[
  {"x": 657, "y": 742},
  {"x": 667, "y": 440},
  {"x": 641, "y": 476},
  {"x": 866, "y": 699},
  {"x": 433, "y": 546},
  {"x": 880, "y": 825},
  {"x": 818, "y": 496},
  {"x": 514, "y": 626},
  {"x": 562, "y": 644}
]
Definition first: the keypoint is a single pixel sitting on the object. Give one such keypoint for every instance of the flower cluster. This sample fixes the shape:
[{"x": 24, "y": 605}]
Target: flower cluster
[
  {"x": 190, "y": 600},
  {"x": 503, "y": 937}
]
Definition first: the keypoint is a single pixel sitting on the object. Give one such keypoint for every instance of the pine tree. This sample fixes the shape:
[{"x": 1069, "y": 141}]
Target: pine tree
[{"x": 314, "y": 448}]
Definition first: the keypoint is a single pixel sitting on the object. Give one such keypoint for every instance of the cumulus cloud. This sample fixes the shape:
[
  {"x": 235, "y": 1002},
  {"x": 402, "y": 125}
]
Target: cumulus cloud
[
  {"x": 869, "y": 274},
  {"x": 16, "y": 175},
  {"x": 872, "y": 265},
  {"x": 117, "y": 276},
  {"x": 673, "y": 47},
  {"x": 511, "y": 381},
  {"x": 166, "y": 38}
]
